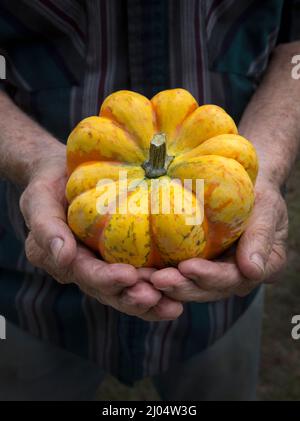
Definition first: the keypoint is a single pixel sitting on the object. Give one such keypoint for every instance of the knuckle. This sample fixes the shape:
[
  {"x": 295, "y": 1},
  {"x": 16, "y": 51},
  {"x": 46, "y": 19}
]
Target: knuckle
[
  {"x": 112, "y": 272},
  {"x": 125, "y": 274},
  {"x": 130, "y": 299}
]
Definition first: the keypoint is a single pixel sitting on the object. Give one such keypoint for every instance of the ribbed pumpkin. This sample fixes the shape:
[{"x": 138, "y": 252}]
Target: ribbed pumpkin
[{"x": 166, "y": 138}]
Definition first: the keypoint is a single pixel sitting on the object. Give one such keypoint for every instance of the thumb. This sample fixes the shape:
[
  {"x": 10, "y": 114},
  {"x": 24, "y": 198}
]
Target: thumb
[
  {"x": 255, "y": 245},
  {"x": 46, "y": 219}
]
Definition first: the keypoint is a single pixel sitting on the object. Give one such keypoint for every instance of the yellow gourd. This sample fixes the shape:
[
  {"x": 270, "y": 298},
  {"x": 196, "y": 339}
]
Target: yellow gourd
[{"x": 159, "y": 144}]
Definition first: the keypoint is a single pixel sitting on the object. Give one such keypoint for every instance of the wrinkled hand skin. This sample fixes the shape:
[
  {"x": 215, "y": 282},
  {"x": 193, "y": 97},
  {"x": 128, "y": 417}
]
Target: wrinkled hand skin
[
  {"x": 259, "y": 257},
  {"x": 51, "y": 246}
]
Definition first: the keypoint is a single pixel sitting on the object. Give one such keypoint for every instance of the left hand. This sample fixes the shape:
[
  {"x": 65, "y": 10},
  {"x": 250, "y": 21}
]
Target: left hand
[
  {"x": 260, "y": 256},
  {"x": 51, "y": 246}
]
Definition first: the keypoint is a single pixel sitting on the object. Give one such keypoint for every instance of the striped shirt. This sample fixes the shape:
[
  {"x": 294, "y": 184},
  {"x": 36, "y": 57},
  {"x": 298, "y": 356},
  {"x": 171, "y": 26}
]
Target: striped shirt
[{"x": 63, "y": 58}]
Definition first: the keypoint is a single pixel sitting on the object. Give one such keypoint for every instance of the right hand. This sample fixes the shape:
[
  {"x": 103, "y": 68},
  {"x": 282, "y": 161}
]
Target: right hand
[{"x": 51, "y": 246}]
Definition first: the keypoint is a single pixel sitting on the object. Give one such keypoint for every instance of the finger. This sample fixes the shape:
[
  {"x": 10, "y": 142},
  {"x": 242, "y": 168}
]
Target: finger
[
  {"x": 219, "y": 278},
  {"x": 138, "y": 299},
  {"x": 45, "y": 217},
  {"x": 254, "y": 250},
  {"x": 255, "y": 245},
  {"x": 212, "y": 275},
  {"x": 174, "y": 285},
  {"x": 92, "y": 275},
  {"x": 106, "y": 279},
  {"x": 141, "y": 298},
  {"x": 168, "y": 279},
  {"x": 166, "y": 309}
]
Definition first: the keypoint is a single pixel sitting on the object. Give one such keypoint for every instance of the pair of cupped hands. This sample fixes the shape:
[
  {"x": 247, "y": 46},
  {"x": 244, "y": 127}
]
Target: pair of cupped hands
[{"x": 150, "y": 294}]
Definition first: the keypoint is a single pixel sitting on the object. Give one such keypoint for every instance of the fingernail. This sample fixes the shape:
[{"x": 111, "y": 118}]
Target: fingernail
[
  {"x": 258, "y": 261},
  {"x": 55, "y": 246}
]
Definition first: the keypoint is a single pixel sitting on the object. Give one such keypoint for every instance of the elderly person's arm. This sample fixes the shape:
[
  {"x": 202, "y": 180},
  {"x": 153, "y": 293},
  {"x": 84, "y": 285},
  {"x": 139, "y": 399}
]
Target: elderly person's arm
[
  {"x": 272, "y": 122},
  {"x": 35, "y": 160},
  {"x": 272, "y": 118}
]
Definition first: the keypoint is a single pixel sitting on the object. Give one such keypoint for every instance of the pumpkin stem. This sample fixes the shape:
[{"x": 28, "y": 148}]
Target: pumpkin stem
[{"x": 156, "y": 165}]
